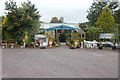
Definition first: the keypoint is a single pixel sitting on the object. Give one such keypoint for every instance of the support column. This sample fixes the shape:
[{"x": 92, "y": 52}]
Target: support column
[
  {"x": 81, "y": 35},
  {"x": 84, "y": 35},
  {"x": 53, "y": 32}
]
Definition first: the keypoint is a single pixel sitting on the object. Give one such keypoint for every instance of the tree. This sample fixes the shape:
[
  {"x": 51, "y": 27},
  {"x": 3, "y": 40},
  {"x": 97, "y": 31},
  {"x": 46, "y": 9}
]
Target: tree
[
  {"x": 0, "y": 20},
  {"x": 115, "y": 31},
  {"x": 117, "y": 16},
  {"x": 83, "y": 25},
  {"x": 106, "y": 20},
  {"x": 41, "y": 22},
  {"x": 92, "y": 33},
  {"x": 31, "y": 18},
  {"x": 55, "y": 20},
  {"x": 20, "y": 20},
  {"x": 1, "y": 17},
  {"x": 96, "y": 9},
  {"x": 61, "y": 19}
]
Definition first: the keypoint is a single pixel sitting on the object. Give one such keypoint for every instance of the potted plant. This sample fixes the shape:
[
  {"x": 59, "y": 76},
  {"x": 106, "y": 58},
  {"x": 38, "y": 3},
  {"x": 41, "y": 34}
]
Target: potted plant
[
  {"x": 114, "y": 47},
  {"x": 57, "y": 37},
  {"x": 72, "y": 46},
  {"x": 81, "y": 39},
  {"x": 67, "y": 42},
  {"x": 26, "y": 40},
  {"x": 78, "y": 46},
  {"x": 15, "y": 45},
  {"x": 115, "y": 40},
  {"x": 33, "y": 45},
  {"x": 50, "y": 38},
  {"x": 101, "y": 45},
  {"x": 116, "y": 37},
  {"x": 57, "y": 45},
  {"x": 75, "y": 38}
]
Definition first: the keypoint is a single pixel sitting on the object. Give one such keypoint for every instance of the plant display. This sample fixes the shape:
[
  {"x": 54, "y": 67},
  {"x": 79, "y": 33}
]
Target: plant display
[
  {"x": 75, "y": 36},
  {"x": 15, "y": 45},
  {"x": 50, "y": 35},
  {"x": 67, "y": 42},
  {"x": 57, "y": 37},
  {"x": 42, "y": 47},
  {"x": 57, "y": 44},
  {"x": 72, "y": 46},
  {"x": 68, "y": 35},
  {"x": 81, "y": 39},
  {"x": 78, "y": 46},
  {"x": 50, "y": 38},
  {"x": 115, "y": 31},
  {"x": 26, "y": 39}
]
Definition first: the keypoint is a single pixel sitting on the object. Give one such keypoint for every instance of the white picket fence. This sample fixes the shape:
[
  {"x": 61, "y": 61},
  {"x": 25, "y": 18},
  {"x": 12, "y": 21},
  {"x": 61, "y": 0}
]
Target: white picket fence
[{"x": 90, "y": 44}]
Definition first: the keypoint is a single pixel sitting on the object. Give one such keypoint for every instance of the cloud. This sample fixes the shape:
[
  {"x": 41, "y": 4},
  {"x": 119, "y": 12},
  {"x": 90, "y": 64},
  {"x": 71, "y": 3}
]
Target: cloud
[{"x": 71, "y": 10}]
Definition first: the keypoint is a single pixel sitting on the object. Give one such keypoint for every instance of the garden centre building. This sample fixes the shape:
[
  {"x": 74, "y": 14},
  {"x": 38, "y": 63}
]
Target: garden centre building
[{"x": 62, "y": 29}]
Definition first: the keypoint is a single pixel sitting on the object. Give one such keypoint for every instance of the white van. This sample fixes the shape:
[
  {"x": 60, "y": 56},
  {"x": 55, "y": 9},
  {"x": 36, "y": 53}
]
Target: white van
[{"x": 41, "y": 39}]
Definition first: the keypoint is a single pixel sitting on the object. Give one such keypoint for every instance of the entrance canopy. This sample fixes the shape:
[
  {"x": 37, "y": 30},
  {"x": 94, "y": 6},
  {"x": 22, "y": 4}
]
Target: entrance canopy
[{"x": 61, "y": 27}]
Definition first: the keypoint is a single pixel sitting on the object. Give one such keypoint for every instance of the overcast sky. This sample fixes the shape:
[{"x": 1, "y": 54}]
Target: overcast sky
[{"x": 73, "y": 11}]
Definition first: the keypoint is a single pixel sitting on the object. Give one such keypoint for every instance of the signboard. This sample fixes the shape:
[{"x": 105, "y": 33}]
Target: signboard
[{"x": 106, "y": 36}]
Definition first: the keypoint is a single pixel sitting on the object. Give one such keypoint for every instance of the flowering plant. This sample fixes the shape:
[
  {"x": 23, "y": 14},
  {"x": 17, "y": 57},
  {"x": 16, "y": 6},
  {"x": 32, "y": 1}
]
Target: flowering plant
[
  {"x": 42, "y": 47},
  {"x": 72, "y": 46}
]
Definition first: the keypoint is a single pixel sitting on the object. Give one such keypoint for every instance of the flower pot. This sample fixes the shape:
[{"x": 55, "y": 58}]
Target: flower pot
[
  {"x": 76, "y": 42},
  {"x": 50, "y": 43},
  {"x": 100, "y": 47},
  {"x": 113, "y": 47},
  {"x": 26, "y": 45}
]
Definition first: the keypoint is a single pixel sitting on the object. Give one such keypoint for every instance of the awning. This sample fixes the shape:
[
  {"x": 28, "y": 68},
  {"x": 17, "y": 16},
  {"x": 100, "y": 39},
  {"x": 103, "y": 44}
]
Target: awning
[{"x": 61, "y": 27}]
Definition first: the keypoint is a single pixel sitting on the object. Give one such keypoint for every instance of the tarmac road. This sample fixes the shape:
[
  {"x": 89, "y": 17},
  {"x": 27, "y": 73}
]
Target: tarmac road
[{"x": 59, "y": 62}]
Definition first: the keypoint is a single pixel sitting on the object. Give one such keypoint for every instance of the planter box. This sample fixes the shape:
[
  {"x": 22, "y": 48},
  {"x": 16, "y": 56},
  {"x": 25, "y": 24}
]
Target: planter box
[
  {"x": 113, "y": 47},
  {"x": 43, "y": 47},
  {"x": 100, "y": 47}
]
